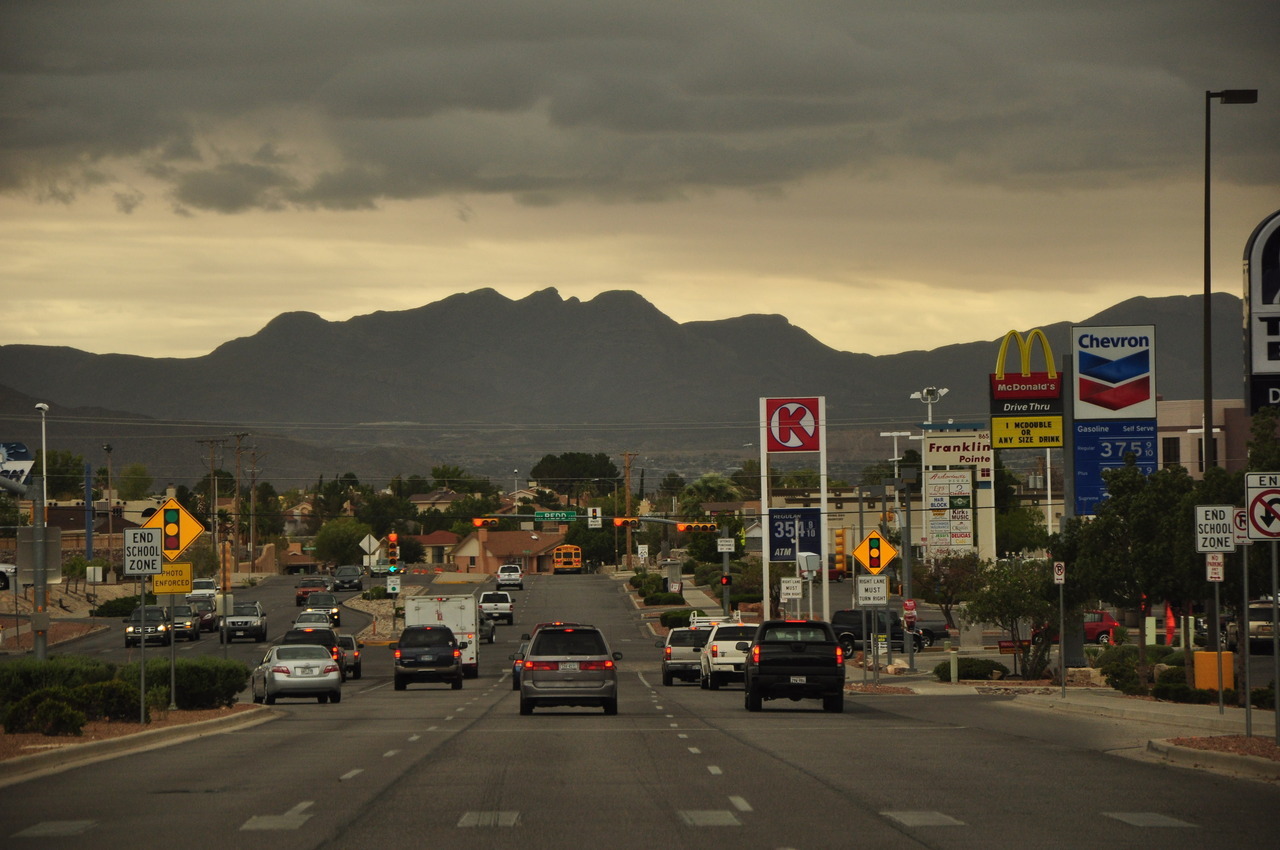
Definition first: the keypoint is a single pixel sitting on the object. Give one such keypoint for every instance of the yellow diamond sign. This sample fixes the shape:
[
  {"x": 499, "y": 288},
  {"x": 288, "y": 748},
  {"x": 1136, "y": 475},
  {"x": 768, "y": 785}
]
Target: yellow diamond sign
[
  {"x": 875, "y": 552},
  {"x": 178, "y": 528}
]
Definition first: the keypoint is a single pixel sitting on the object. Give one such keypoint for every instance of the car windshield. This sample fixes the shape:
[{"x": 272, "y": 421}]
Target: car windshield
[
  {"x": 425, "y": 637},
  {"x": 182, "y": 610},
  {"x": 320, "y": 636},
  {"x": 297, "y": 653},
  {"x": 203, "y": 583},
  {"x": 247, "y": 610},
  {"x": 314, "y": 618},
  {"x": 321, "y": 600},
  {"x": 568, "y": 642},
  {"x": 689, "y": 637},
  {"x": 153, "y": 615},
  {"x": 347, "y": 571}
]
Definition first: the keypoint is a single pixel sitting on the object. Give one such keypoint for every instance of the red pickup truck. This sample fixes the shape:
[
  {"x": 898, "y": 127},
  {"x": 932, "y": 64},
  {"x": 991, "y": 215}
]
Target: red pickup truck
[{"x": 307, "y": 586}]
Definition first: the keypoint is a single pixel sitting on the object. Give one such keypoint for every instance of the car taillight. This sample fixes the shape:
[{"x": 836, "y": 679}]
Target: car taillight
[
  {"x": 839, "y": 654},
  {"x": 755, "y": 655},
  {"x": 542, "y": 665},
  {"x": 666, "y": 653},
  {"x": 335, "y": 653},
  {"x": 280, "y": 668},
  {"x": 715, "y": 650},
  {"x": 397, "y": 654},
  {"x": 607, "y": 664},
  {"x": 457, "y": 653},
  {"x": 331, "y": 668}
]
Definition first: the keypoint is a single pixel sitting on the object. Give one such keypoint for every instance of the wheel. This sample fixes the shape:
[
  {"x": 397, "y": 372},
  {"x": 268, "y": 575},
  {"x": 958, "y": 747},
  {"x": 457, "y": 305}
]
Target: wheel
[
  {"x": 456, "y": 684},
  {"x": 713, "y": 682},
  {"x": 515, "y": 684},
  {"x": 269, "y": 699},
  {"x": 833, "y": 703},
  {"x": 257, "y": 700},
  {"x": 927, "y": 637},
  {"x": 610, "y": 706},
  {"x": 322, "y": 699},
  {"x": 847, "y": 644},
  {"x": 336, "y": 696},
  {"x": 1104, "y": 638},
  {"x": 702, "y": 682},
  {"x": 400, "y": 684},
  {"x": 753, "y": 700},
  {"x": 666, "y": 679},
  {"x": 260, "y": 637},
  {"x": 355, "y": 674},
  {"x": 526, "y": 706}
]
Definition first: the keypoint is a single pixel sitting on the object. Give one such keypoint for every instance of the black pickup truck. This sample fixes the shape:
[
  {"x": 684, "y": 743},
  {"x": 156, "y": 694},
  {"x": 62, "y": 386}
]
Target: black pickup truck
[
  {"x": 848, "y": 628},
  {"x": 795, "y": 660}
]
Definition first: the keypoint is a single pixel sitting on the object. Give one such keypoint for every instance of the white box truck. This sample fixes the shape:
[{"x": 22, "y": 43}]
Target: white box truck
[{"x": 460, "y": 613}]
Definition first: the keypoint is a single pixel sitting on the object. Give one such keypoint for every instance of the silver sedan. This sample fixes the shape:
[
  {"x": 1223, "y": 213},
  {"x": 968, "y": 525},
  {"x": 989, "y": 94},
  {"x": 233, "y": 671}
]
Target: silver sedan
[{"x": 297, "y": 670}]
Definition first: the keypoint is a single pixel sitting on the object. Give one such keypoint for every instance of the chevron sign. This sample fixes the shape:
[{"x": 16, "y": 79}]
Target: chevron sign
[{"x": 1115, "y": 372}]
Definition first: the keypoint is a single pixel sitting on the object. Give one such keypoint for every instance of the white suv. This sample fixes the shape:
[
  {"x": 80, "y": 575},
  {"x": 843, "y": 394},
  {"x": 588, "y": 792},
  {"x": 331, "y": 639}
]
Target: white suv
[
  {"x": 720, "y": 660},
  {"x": 511, "y": 575}
]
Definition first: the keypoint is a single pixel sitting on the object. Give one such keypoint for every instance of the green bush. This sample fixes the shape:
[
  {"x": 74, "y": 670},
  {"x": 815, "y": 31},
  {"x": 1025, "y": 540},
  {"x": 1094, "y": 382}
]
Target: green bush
[
  {"x": 679, "y": 619},
  {"x": 111, "y": 700},
  {"x": 24, "y": 675},
  {"x": 120, "y": 607},
  {"x": 970, "y": 668},
  {"x": 202, "y": 683},
  {"x": 1172, "y": 676},
  {"x": 54, "y": 717},
  {"x": 20, "y": 716},
  {"x": 377, "y": 591},
  {"x": 664, "y": 599}
]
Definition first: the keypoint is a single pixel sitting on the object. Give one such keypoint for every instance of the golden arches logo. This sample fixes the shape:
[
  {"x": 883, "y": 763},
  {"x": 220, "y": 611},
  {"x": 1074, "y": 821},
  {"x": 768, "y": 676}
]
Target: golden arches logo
[{"x": 1024, "y": 353}]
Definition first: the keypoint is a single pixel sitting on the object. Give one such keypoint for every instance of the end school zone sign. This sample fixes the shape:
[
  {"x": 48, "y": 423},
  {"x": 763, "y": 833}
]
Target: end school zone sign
[{"x": 1215, "y": 528}]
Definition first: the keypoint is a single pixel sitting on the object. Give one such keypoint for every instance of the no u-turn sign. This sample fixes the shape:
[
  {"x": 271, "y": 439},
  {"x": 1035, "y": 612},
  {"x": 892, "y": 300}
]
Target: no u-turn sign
[{"x": 1262, "y": 502}]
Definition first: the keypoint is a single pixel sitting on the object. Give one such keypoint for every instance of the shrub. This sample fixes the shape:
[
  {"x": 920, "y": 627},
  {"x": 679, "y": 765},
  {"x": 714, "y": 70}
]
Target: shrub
[
  {"x": 24, "y": 675},
  {"x": 54, "y": 717},
  {"x": 1265, "y": 697},
  {"x": 679, "y": 619},
  {"x": 970, "y": 668},
  {"x": 377, "y": 591},
  {"x": 20, "y": 716},
  {"x": 1172, "y": 676},
  {"x": 111, "y": 700},
  {"x": 664, "y": 599},
  {"x": 120, "y": 607},
  {"x": 202, "y": 683}
]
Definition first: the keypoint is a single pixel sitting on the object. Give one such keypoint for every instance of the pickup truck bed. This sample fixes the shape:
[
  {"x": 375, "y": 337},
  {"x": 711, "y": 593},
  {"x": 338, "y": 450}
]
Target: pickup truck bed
[{"x": 794, "y": 659}]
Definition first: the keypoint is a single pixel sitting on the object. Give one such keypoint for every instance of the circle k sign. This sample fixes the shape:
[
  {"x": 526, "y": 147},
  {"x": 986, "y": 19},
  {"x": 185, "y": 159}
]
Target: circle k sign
[{"x": 793, "y": 424}]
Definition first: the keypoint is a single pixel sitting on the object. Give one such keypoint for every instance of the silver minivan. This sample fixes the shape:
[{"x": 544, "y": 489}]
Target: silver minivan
[{"x": 569, "y": 665}]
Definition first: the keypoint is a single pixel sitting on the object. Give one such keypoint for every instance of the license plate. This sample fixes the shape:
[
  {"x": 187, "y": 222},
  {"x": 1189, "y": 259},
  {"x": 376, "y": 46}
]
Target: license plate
[
  {"x": 798, "y": 680},
  {"x": 569, "y": 666},
  {"x": 239, "y": 631},
  {"x": 306, "y": 671}
]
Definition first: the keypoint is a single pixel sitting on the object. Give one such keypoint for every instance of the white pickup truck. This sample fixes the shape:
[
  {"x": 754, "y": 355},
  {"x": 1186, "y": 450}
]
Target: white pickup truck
[{"x": 498, "y": 605}]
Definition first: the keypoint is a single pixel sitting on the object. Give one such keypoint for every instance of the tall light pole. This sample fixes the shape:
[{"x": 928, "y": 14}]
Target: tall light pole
[
  {"x": 930, "y": 396},
  {"x": 44, "y": 455},
  {"x": 1226, "y": 96},
  {"x": 110, "y": 520},
  {"x": 896, "y": 456}
]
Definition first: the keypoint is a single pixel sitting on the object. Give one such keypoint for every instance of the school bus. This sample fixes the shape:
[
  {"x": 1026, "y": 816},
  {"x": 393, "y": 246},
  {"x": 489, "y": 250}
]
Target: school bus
[{"x": 566, "y": 559}]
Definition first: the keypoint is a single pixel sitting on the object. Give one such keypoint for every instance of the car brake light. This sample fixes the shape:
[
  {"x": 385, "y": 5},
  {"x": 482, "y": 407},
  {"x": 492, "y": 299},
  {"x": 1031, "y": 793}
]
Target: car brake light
[
  {"x": 666, "y": 653},
  {"x": 607, "y": 664},
  {"x": 542, "y": 665},
  {"x": 280, "y": 668},
  {"x": 331, "y": 668},
  {"x": 839, "y": 654},
  {"x": 457, "y": 653},
  {"x": 715, "y": 651},
  {"x": 755, "y": 655},
  {"x": 397, "y": 653}
]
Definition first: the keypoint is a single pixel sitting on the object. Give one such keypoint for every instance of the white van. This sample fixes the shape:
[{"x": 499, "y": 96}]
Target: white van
[{"x": 511, "y": 576}]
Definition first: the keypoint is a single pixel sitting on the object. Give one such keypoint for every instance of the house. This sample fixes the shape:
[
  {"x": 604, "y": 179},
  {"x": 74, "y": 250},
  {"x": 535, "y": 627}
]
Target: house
[
  {"x": 438, "y": 500},
  {"x": 483, "y": 551},
  {"x": 435, "y": 546}
]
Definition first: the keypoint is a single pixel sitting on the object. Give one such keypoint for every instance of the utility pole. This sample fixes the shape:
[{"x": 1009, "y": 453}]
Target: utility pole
[
  {"x": 235, "y": 502},
  {"x": 626, "y": 478},
  {"x": 253, "y": 508}
]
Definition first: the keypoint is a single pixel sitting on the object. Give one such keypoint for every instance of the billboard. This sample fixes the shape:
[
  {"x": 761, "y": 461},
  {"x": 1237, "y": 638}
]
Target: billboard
[
  {"x": 960, "y": 448},
  {"x": 1262, "y": 313},
  {"x": 1115, "y": 372},
  {"x": 1026, "y": 408},
  {"x": 792, "y": 424},
  {"x": 16, "y": 462}
]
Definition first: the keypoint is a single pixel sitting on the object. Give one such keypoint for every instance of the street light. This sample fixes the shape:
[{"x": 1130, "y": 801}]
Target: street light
[
  {"x": 1226, "y": 96},
  {"x": 110, "y": 520},
  {"x": 930, "y": 396},
  {"x": 896, "y": 456},
  {"x": 44, "y": 456}
]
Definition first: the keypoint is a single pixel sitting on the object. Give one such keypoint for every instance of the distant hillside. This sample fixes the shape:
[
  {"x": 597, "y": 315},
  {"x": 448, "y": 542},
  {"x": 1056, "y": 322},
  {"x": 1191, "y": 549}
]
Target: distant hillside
[{"x": 500, "y": 382}]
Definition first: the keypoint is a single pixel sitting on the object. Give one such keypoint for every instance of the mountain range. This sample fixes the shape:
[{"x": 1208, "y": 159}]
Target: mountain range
[{"x": 492, "y": 384}]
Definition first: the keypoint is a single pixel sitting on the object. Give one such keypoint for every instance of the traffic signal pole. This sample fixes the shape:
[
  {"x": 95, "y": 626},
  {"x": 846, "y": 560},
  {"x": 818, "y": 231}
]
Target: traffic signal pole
[{"x": 724, "y": 572}]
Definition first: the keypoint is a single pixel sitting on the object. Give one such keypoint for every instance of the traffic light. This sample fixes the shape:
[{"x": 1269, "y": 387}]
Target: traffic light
[
  {"x": 484, "y": 522},
  {"x": 626, "y": 522},
  {"x": 726, "y": 580},
  {"x": 839, "y": 547},
  {"x": 393, "y": 552},
  {"x": 697, "y": 526},
  {"x": 873, "y": 554}
]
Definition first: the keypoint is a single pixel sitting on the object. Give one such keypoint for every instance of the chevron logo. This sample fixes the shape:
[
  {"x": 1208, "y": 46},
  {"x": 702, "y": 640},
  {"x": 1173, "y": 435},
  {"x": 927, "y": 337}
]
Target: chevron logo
[{"x": 1115, "y": 384}]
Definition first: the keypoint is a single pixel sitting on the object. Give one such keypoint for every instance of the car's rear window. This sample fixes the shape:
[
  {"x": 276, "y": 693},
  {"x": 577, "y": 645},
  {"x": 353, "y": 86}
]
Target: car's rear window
[
  {"x": 425, "y": 637},
  {"x": 347, "y": 641},
  {"x": 792, "y": 633},
  {"x": 736, "y": 633},
  {"x": 297, "y": 653},
  {"x": 692, "y": 637},
  {"x": 574, "y": 642},
  {"x": 495, "y": 597},
  {"x": 318, "y": 636}
]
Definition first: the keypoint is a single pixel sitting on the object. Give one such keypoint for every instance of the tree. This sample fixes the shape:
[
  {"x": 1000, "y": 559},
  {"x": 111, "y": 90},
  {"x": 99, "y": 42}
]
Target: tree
[
  {"x": 747, "y": 479},
  {"x": 1020, "y": 530},
  {"x": 133, "y": 482},
  {"x": 576, "y": 474},
  {"x": 1013, "y": 592},
  {"x": 65, "y": 476},
  {"x": 338, "y": 540},
  {"x": 948, "y": 580}
]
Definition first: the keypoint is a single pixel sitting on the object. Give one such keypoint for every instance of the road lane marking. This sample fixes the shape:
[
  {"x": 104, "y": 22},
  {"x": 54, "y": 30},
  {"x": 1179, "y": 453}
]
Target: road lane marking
[
  {"x": 713, "y": 770},
  {"x": 389, "y": 753},
  {"x": 714, "y": 817},
  {"x": 1147, "y": 819},
  {"x": 470, "y": 819},
  {"x": 55, "y": 829},
  {"x": 741, "y": 804},
  {"x": 414, "y": 737},
  {"x": 695, "y": 751},
  {"x": 292, "y": 819},
  {"x": 913, "y": 819},
  {"x": 351, "y": 774}
]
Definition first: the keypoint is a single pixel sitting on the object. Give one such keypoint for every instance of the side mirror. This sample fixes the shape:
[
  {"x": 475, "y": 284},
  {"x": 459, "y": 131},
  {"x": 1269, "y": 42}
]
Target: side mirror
[
  {"x": 392, "y": 646},
  {"x": 359, "y": 646},
  {"x": 660, "y": 643},
  {"x": 617, "y": 656},
  {"x": 524, "y": 637},
  {"x": 742, "y": 645},
  {"x": 462, "y": 645}
]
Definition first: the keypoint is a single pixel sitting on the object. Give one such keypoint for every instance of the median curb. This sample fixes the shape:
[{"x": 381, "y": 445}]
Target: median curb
[
  {"x": 36, "y": 765},
  {"x": 1251, "y": 767}
]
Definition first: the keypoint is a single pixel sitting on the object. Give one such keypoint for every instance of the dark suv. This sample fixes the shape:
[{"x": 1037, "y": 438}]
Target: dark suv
[
  {"x": 428, "y": 654},
  {"x": 327, "y": 638},
  {"x": 348, "y": 577}
]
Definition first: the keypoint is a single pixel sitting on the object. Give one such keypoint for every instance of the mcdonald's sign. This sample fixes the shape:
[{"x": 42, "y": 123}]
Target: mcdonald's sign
[{"x": 1026, "y": 407}]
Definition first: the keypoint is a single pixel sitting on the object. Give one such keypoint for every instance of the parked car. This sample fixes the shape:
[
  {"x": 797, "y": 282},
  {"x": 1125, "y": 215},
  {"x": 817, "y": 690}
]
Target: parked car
[
  {"x": 327, "y": 603},
  {"x": 569, "y": 665},
  {"x": 186, "y": 623},
  {"x": 351, "y": 650},
  {"x": 247, "y": 619},
  {"x": 1258, "y": 618},
  {"x": 1099, "y": 627},
  {"x": 8, "y": 575},
  {"x": 296, "y": 670},
  {"x": 680, "y": 654},
  {"x": 720, "y": 660},
  {"x": 327, "y": 638},
  {"x": 306, "y": 586},
  {"x": 518, "y": 658},
  {"x": 206, "y": 587},
  {"x": 348, "y": 577},
  {"x": 206, "y": 611},
  {"x": 511, "y": 576},
  {"x": 150, "y": 624},
  {"x": 428, "y": 654}
]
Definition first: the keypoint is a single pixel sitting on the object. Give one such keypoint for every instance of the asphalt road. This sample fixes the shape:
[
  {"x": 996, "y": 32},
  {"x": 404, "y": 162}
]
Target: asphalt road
[{"x": 678, "y": 767}]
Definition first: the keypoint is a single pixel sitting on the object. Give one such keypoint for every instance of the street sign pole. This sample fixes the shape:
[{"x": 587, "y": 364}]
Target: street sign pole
[{"x": 1060, "y": 579}]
